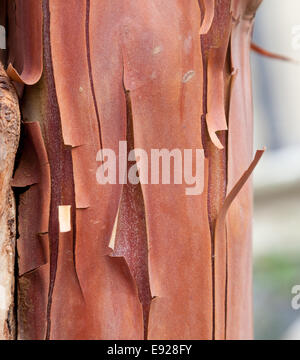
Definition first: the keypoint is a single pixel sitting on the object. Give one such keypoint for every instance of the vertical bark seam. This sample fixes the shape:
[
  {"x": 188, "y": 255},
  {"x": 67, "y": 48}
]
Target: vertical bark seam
[{"x": 90, "y": 70}]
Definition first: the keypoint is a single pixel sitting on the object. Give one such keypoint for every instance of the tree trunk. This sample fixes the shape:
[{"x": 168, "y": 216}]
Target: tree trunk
[{"x": 128, "y": 260}]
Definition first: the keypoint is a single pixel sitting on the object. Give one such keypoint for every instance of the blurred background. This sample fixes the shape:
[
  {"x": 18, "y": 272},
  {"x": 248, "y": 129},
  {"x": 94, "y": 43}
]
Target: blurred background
[{"x": 276, "y": 247}]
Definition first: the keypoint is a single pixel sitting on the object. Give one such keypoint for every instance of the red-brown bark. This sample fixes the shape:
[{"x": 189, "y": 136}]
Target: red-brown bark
[{"x": 140, "y": 261}]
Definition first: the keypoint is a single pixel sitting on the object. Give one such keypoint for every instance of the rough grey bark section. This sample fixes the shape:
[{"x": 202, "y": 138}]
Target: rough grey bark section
[{"x": 9, "y": 139}]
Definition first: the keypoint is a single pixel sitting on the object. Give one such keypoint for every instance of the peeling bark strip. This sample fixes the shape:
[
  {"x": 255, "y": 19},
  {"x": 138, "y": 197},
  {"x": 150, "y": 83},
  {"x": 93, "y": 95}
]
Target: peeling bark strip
[
  {"x": 25, "y": 41},
  {"x": 123, "y": 261},
  {"x": 9, "y": 139}
]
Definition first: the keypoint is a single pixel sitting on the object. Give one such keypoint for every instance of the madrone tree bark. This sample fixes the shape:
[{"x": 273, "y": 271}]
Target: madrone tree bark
[{"x": 125, "y": 261}]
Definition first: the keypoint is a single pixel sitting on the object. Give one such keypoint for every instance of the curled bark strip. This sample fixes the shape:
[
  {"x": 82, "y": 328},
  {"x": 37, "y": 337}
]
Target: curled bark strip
[
  {"x": 9, "y": 138},
  {"x": 72, "y": 74},
  {"x": 33, "y": 174},
  {"x": 259, "y": 50},
  {"x": 216, "y": 117},
  {"x": 209, "y": 6},
  {"x": 215, "y": 54},
  {"x": 221, "y": 250},
  {"x": 33, "y": 171},
  {"x": 25, "y": 41},
  {"x": 239, "y": 323}
]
